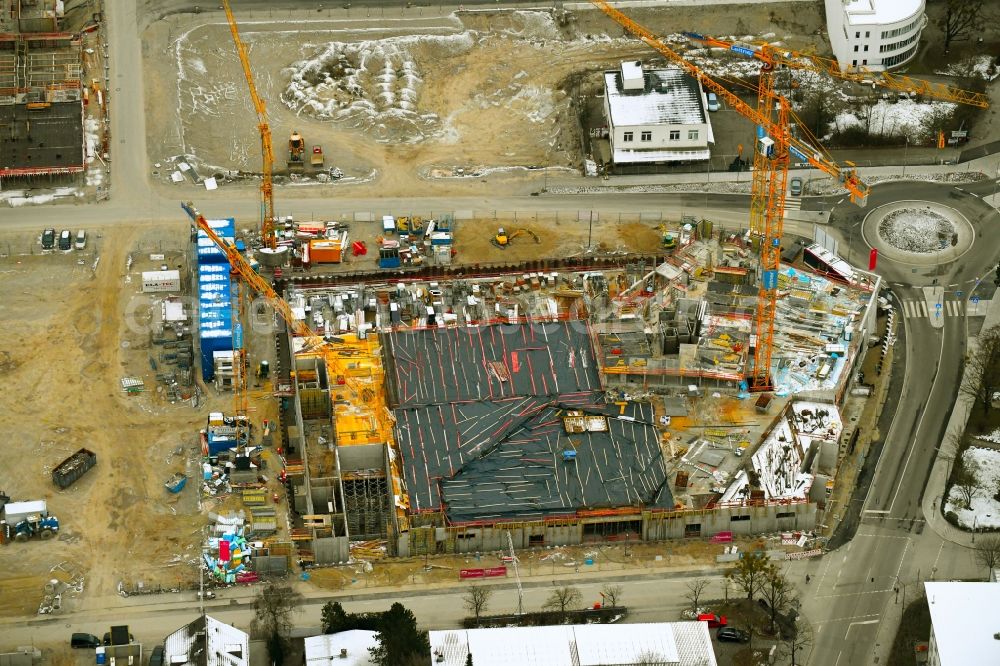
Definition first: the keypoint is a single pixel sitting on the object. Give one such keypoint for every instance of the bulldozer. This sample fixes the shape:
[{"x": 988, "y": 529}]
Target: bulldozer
[
  {"x": 502, "y": 239},
  {"x": 296, "y": 146},
  {"x": 668, "y": 238}
]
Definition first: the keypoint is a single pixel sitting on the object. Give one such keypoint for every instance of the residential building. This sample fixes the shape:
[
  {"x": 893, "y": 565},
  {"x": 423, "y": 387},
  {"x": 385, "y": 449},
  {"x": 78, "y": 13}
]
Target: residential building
[
  {"x": 964, "y": 627},
  {"x": 655, "y": 116},
  {"x": 653, "y": 644},
  {"x": 346, "y": 648},
  {"x": 874, "y": 34},
  {"x": 207, "y": 642}
]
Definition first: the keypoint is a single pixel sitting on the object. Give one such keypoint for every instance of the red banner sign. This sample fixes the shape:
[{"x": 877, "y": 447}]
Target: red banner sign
[
  {"x": 722, "y": 537},
  {"x": 492, "y": 572}
]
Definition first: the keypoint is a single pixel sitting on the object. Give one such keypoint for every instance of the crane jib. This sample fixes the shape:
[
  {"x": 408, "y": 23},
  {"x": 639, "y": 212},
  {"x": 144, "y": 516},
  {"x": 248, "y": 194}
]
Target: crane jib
[{"x": 743, "y": 50}]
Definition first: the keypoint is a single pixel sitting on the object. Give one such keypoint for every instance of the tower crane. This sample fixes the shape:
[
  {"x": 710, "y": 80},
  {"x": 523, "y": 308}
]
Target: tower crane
[
  {"x": 775, "y": 144},
  {"x": 333, "y": 354},
  {"x": 267, "y": 169}
]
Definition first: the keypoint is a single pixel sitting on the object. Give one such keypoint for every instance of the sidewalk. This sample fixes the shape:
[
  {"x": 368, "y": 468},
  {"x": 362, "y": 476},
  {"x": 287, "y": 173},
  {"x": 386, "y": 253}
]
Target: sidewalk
[{"x": 933, "y": 493}]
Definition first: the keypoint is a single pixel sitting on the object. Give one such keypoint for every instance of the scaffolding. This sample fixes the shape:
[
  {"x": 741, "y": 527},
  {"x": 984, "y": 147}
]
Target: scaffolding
[{"x": 366, "y": 496}]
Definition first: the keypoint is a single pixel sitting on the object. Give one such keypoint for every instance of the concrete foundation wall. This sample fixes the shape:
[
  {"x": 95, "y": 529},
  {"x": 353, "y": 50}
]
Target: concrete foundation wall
[
  {"x": 654, "y": 527},
  {"x": 361, "y": 456},
  {"x": 331, "y": 550}
]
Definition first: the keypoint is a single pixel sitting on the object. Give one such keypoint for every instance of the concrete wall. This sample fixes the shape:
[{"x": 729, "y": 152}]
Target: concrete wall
[
  {"x": 361, "y": 456},
  {"x": 658, "y": 526},
  {"x": 331, "y": 550}
]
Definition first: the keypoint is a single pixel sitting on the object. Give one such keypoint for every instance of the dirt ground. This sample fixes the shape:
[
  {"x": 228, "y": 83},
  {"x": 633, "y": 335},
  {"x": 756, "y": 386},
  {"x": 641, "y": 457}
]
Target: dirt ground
[
  {"x": 67, "y": 343},
  {"x": 474, "y": 90}
]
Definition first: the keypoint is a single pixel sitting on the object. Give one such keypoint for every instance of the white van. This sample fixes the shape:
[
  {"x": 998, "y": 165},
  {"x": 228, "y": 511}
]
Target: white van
[{"x": 81, "y": 239}]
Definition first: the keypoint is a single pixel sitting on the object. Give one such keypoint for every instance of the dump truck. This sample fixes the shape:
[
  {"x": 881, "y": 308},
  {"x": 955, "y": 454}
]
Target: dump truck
[
  {"x": 317, "y": 160},
  {"x": 68, "y": 471},
  {"x": 23, "y": 520}
]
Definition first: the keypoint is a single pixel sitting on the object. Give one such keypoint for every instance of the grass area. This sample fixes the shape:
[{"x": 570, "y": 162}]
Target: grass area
[{"x": 915, "y": 627}]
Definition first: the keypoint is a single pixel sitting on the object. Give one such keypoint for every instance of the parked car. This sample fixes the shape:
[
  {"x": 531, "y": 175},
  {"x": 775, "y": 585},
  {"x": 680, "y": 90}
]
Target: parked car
[
  {"x": 66, "y": 240},
  {"x": 713, "y": 620},
  {"x": 81, "y": 239},
  {"x": 107, "y": 638},
  {"x": 795, "y": 186},
  {"x": 156, "y": 656},
  {"x": 84, "y": 640},
  {"x": 732, "y": 635},
  {"x": 713, "y": 102},
  {"x": 48, "y": 239}
]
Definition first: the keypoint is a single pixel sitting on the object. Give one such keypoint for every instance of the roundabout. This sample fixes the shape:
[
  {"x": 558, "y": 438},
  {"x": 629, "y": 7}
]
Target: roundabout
[{"x": 918, "y": 232}]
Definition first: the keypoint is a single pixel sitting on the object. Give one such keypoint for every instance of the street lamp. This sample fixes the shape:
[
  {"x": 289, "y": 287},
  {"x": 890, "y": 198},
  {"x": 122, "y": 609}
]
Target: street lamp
[{"x": 906, "y": 152}]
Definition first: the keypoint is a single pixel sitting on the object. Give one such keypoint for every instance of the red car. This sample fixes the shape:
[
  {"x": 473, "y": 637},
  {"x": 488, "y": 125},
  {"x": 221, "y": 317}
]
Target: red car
[{"x": 714, "y": 621}]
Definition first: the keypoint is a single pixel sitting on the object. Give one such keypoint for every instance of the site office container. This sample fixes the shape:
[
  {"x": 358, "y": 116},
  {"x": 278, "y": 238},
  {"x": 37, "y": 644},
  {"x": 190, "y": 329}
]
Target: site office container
[
  {"x": 156, "y": 281},
  {"x": 325, "y": 251}
]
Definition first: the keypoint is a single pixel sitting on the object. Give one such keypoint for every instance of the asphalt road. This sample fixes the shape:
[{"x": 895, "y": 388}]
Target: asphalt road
[
  {"x": 854, "y": 599},
  {"x": 852, "y": 596}
]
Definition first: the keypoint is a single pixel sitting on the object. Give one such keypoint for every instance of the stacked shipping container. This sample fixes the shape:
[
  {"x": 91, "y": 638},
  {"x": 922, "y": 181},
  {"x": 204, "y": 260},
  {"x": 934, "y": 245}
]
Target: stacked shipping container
[{"x": 215, "y": 296}]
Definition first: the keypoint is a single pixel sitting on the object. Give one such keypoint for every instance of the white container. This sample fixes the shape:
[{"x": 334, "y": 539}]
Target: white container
[{"x": 160, "y": 281}]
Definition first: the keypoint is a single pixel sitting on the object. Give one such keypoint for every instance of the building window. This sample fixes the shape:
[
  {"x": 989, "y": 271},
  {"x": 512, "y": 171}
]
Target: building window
[
  {"x": 866, "y": 48},
  {"x": 628, "y": 136},
  {"x": 867, "y": 34},
  {"x": 864, "y": 62},
  {"x": 692, "y": 135},
  {"x": 902, "y": 57},
  {"x": 648, "y": 136},
  {"x": 854, "y": 63},
  {"x": 855, "y": 48},
  {"x": 736, "y": 519},
  {"x": 857, "y": 35}
]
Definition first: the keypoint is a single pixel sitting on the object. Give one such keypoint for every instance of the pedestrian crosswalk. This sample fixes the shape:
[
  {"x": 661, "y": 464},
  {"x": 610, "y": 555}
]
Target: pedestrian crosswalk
[
  {"x": 921, "y": 308},
  {"x": 793, "y": 203}
]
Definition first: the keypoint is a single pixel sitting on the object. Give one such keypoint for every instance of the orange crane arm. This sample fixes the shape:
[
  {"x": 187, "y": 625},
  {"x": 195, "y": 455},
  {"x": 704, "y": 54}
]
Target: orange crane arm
[
  {"x": 802, "y": 151},
  {"x": 267, "y": 176},
  {"x": 773, "y": 55}
]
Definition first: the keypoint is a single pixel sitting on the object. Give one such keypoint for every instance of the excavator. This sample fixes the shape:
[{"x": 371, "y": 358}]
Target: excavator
[
  {"x": 296, "y": 146},
  {"x": 502, "y": 239}
]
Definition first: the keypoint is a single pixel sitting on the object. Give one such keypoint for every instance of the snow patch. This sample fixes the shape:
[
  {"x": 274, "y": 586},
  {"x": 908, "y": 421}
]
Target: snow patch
[
  {"x": 916, "y": 230},
  {"x": 984, "y": 511}
]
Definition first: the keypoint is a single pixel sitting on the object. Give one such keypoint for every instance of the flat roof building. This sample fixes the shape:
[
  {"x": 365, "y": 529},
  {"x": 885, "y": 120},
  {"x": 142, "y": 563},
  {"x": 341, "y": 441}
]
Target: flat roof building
[
  {"x": 963, "y": 623},
  {"x": 652, "y": 644},
  {"x": 874, "y": 34},
  {"x": 655, "y": 116}
]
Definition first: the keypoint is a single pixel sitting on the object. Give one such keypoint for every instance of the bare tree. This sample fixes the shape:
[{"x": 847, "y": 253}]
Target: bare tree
[
  {"x": 776, "y": 591},
  {"x": 796, "y": 640},
  {"x": 965, "y": 479},
  {"x": 651, "y": 658},
  {"x": 988, "y": 552},
  {"x": 476, "y": 599},
  {"x": 749, "y": 572},
  {"x": 982, "y": 369},
  {"x": 961, "y": 18},
  {"x": 273, "y": 608},
  {"x": 612, "y": 594},
  {"x": 696, "y": 588},
  {"x": 562, "y": 598}
]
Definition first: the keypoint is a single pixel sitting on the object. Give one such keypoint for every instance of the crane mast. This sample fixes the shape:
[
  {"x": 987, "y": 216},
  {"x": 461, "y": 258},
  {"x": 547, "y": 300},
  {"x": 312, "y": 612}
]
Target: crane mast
[
  {"x": 774, "y": 147},
  {"x": 267, "y": 151}
]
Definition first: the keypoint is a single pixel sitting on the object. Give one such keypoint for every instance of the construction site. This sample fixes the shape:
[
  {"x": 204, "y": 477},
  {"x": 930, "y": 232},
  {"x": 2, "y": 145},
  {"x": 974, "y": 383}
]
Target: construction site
[{"x": 320, "y": 394}]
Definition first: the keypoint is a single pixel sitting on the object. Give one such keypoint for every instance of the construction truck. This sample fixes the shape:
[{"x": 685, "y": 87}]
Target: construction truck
[
  {"x": 22, "y": 520},
  {"x": 502, "y": 239},
  {"x": 296, "y": 146},
  {"x": 317, "y": 160}
]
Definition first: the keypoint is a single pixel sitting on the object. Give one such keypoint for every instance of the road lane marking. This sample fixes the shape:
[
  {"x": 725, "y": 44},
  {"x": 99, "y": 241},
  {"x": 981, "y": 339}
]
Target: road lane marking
[
  {"x": 876, "y": 511},
  {"x": 916, "y": 433},
  {"x": 850, "y": 619},
  {"x": 843, "y": 595}
]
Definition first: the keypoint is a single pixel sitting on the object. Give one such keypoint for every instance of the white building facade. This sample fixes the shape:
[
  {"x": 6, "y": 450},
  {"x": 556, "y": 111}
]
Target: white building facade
[
  {"x": 875, "y": 34},
  {"x": 655, "y": 116}
]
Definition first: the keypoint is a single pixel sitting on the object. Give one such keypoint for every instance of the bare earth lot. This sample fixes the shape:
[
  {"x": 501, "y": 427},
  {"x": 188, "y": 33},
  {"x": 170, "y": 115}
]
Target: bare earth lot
[{"x": 396, "y": 102}]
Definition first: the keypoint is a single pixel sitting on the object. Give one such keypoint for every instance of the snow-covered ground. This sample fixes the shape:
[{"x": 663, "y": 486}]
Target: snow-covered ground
[
  {"x": 916, "y": 230},
  {"x": 15, "y": 198},
  {"x": 904, "y": 117},
  {"x": 985, "y": 509},
  {"x": 975, "y": 66}
]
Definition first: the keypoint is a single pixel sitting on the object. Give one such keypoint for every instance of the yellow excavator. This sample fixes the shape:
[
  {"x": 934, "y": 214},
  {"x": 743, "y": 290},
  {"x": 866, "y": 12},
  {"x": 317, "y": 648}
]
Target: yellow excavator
[
  {"x": 296, "y": 146},
  {"x": 502, "y": 239}
]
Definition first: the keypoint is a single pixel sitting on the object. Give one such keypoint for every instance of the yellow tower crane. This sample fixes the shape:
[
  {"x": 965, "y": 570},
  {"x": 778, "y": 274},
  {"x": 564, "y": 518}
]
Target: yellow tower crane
[
  {"x": 267, "y": 168},
  {"x": 774, "y": 145}
]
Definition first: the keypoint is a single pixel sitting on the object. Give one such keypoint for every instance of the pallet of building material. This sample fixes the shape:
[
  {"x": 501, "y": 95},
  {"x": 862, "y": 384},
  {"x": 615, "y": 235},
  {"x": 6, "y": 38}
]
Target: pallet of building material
[
  {"x": 300, "y": 534},
  {"x": 316, "y": 520},
  {"x": 262, "y": 512},
  {"x": 133, "y": 385},
  {"x": 254, "y": 496},
  {"x": 262, "y": 527}
]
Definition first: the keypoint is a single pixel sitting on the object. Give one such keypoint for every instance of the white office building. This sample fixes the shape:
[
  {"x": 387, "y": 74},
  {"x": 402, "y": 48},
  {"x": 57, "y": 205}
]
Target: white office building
[
  {"x": 655, "y": 116},
  {"x": 874, "y": 34},
  {"x": 964, "y": 625}
]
